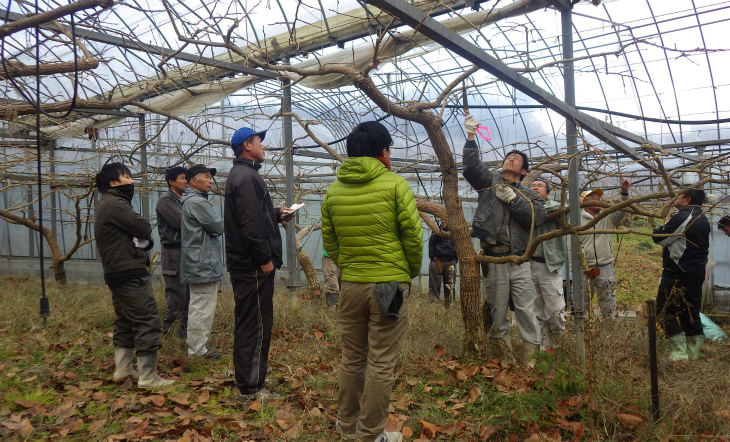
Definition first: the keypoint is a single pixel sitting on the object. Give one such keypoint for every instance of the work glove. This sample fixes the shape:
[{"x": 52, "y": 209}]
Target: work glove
[
  {"x": 471, "y": 124},
  {"x": 506, "y": 193}
]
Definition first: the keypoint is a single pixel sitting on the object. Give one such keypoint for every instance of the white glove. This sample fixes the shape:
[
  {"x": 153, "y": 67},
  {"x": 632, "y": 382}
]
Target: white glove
[
  {"x": 471, "y": 124},
  {"x": 140, "y": 243},
  {"x": 505, "y": 193}
]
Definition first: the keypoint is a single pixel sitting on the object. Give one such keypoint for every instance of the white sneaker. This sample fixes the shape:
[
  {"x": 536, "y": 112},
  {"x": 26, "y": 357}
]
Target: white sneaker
[{"x": 394, "y": 436}]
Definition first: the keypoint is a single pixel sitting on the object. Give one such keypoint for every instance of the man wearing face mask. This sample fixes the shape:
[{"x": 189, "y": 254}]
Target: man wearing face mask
[
  {"x": 201, "y": 266},
  {"x": 123, "y": 238}
]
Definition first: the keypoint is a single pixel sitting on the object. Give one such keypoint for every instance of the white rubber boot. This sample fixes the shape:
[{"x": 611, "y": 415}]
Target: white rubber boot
[
  {"x": 148, "y": 377},
  {"x": 694, "y": 344},
  {"x": 678, "y": 348},
  {"x": 123, "y": 360}
]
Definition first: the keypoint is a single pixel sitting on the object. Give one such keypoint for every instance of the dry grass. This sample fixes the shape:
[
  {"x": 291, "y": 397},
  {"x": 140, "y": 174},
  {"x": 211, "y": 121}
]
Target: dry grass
[{"x": 47, "y": 366}]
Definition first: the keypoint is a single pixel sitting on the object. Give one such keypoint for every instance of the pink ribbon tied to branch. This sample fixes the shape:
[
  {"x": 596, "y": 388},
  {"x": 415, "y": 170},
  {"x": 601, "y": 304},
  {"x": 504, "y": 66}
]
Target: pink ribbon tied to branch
[{"x": 489, "y": 132}]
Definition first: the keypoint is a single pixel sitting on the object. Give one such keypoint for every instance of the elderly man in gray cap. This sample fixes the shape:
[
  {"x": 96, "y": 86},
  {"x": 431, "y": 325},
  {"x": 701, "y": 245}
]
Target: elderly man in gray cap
[{"x": 201, "y": 266}]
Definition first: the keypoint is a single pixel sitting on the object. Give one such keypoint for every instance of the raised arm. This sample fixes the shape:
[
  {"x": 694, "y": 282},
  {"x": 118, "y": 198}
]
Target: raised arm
[{"x": 476, "y": 172}]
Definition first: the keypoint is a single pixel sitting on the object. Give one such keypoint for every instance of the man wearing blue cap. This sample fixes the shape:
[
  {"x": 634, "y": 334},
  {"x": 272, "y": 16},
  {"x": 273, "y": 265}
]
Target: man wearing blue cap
[{"x": 253, "y": 253}]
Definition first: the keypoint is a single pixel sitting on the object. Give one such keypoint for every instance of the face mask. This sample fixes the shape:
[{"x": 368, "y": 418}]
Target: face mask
[{"x": 127, "y": 190}]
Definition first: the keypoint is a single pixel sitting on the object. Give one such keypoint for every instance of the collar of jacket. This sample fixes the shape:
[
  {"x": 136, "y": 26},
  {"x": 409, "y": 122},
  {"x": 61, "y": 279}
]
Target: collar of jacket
[
  {"x": 174, "y": 194},
  {"x": 248, "y": 162},
  {"x": 118, "y": 194},
  {"x": 585, "y": 214},
  {"x": 192, "y": 191},
  {"x": 515, "y": 184}
]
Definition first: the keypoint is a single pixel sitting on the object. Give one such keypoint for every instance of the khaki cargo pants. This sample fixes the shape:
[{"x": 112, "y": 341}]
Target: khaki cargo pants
[{"x": 370, "y": 345}]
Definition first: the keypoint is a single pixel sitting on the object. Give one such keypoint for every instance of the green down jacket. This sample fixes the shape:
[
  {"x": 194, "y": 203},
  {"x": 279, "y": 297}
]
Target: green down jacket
[{"x": 370, "y": 224}]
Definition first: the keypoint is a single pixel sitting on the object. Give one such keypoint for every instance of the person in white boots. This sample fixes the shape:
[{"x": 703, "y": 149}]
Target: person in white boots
[
  {"x": 123, "y": 238},
  {"x": 680, "y": 290}
]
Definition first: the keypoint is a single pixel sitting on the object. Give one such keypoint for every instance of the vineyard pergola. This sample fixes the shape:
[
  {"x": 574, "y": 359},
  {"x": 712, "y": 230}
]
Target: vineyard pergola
[{"x": 589, "y": 89}]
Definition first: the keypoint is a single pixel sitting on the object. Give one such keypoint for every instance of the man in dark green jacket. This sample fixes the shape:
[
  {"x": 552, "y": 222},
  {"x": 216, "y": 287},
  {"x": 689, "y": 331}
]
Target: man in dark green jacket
[
  {"x": 372, "y": 232},
  {"x": 123, "y": 238}
]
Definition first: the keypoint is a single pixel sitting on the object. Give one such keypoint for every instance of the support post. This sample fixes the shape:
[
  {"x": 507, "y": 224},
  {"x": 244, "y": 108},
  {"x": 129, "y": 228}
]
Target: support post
[
  {"x": 291, "y": 232},
  {"x": 653, "y": 367},
  {"x": 144, "y": 193},
  {"x": 571, "y": 139}
]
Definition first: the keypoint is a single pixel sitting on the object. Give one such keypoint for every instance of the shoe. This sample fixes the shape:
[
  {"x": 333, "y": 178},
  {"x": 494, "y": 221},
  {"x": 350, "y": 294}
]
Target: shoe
[
  {"x": 678, "y": 348},
  {"x": 240, "y": 397},
  {"x": 124, "y": 365},
  {"x": 694, "y": 344},
  {"x": 210, "y": 355},
  {"x": 395, "y": 436},
  {"x": 265, "y": 395},
  {"x": 262, "y": 395},
  {"x": 148, "y": 377},
  {"x": 342, "y": 433}
]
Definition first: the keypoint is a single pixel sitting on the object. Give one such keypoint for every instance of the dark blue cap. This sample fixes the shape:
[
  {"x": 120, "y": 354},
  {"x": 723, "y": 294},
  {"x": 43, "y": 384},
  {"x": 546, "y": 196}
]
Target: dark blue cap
[{"x": 242, "y": 135}]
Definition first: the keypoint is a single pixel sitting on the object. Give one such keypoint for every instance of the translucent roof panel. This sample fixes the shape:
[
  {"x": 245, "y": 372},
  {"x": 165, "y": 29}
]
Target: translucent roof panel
[{"x": 651, "y": 67}]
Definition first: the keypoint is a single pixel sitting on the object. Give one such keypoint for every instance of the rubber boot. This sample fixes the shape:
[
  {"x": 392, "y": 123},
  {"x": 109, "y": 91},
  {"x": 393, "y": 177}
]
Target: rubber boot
[
  {"x": 148, "y": 377},
  {"x": 123, "y": 360},
  {"x": 528, "y": 349},
  {"x": 678, "y": 348},
  {"x": 502, "y": 348},
  {"x": 694, "y": 344},
  {"x": 331, "y": 299}
]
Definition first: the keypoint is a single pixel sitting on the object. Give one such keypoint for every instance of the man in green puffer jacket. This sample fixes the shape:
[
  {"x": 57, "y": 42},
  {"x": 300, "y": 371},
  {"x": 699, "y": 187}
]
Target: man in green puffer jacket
[{"x": 372, "y": 232}]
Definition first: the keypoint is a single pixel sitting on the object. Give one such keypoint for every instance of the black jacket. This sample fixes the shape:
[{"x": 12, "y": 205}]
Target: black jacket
[
  {"x": 687, "y": 253},
  {"x": 441, "y": 248},
  {"x": 114, "y": 226},
  {"x": 169, "y": 214},
  {"x": 250, "y": 221}
]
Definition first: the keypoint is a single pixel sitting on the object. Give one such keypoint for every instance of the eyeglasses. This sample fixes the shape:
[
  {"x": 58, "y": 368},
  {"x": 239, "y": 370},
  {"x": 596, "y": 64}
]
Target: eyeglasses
[{"x": 538, "y": 184}]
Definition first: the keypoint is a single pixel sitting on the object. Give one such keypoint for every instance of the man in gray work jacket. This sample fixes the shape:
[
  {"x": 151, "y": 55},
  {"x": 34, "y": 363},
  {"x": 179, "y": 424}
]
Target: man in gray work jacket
[
  {"x": 505, "y": 221},
  {"x": 169, "y": 214},
  {"x": 202, "y": 258},
  {"x": 546, "y": 267}
]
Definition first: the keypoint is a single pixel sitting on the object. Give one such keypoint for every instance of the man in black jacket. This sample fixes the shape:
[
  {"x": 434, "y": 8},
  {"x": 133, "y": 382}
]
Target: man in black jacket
[
  {"x": 169, "y": 212},
  {"x": 442, "y": 253},
  {"x": 680, "y": 289},
  {"x": 123, "y": 238},
  {"x": 253, "y": 253}
]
